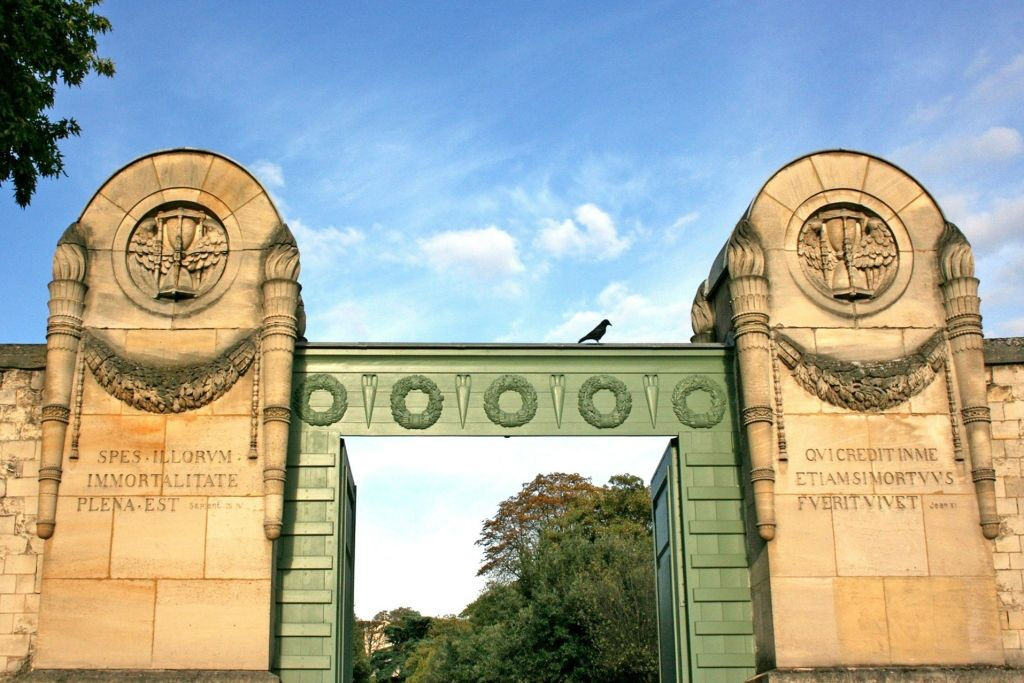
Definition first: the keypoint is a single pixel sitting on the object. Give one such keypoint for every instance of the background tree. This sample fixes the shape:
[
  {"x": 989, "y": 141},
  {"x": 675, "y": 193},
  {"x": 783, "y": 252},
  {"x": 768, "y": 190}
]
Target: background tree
[
  {"x": 403, "y": 629},
  {"x": 571, "y": 596},
  {"x": 360, "y": 660},
  {"x": 42, "y": 41},
  {"x": 515, "y": 529}
]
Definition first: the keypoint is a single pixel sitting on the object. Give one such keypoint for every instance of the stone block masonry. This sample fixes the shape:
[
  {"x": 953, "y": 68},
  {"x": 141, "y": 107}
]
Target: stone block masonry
[
  {"x": 1005, "y": 376},
  {"x": 21, "y": 383}
]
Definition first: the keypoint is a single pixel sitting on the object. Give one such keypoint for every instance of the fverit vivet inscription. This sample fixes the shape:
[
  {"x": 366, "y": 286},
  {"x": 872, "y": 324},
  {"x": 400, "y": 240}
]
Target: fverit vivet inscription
[{"x": 876, "y": 479}]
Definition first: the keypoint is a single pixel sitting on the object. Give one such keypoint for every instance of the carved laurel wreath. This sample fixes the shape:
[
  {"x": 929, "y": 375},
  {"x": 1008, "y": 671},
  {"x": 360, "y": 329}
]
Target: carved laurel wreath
[
  {"x": 691, "y": 418},
  {"x": 400, "y": 411},
  {"x": 623, "y": 401},
  {"x": 167, "y": 389},
  {"x": 519, "y": 385},
  {"x": 862, "y": 385},
  {"x": 320, "y": 382}
]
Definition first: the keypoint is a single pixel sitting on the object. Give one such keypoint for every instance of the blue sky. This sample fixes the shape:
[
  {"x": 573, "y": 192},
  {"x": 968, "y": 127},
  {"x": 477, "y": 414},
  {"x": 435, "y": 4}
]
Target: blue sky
[{"x": 511, "y": 171}]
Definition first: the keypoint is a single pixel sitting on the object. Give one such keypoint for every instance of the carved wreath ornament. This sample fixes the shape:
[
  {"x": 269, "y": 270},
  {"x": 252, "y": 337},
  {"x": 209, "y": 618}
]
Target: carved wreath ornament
[
  {"x": 167, "y": 389},
  {"x": 623, "y": 401},
  {"x": 320, "y": 382},
  {"x": 862, "y": 385},
  {"x": 399, "y": 410},
  {"x": 519, "y": 385},
  {"x": 686, "y": 386}
]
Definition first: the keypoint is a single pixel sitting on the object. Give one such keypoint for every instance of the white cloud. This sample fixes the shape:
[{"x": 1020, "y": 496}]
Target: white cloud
[
  {"x": 678, "y": 227},
  {"x": 372, "y": 318},
  {"x": 1001, "y": 224},
  {"x": 926, "y": 113},
  {"x": 634, "y": 317},
  {"x": 995, "y": 145},
  {"x": 319, "y": 247},
  {"x": 269, "y": 173},
  {"x": 484, "y": 253},
  {"x": 598, "y": 237},
  {"x": 1004, "y": 83}
]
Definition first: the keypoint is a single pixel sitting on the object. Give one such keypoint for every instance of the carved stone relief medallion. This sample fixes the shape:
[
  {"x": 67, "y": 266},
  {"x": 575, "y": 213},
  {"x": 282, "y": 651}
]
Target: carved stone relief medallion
[
  {"x": 847, "y": 252},
  {"x": 177, "y": 251}
]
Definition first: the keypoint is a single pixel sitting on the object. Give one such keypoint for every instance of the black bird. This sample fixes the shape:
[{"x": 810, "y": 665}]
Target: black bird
[{"x": 597, "y": 332}]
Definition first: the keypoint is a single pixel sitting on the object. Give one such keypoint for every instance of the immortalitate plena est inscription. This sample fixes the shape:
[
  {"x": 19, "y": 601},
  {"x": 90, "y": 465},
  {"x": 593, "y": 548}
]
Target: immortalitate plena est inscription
[{"x": 204, "y": 472}]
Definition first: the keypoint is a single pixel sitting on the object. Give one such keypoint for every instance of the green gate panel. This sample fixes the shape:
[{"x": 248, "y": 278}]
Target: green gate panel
[
  {"x": 719, "y": 613},
  {"x": 313, "y": 588},
  {"x": 670, "y": 585}
]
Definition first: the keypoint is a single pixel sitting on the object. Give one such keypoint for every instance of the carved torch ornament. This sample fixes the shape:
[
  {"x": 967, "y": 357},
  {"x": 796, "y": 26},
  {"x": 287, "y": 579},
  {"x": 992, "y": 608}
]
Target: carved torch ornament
[
  {"x": 963, "y": 328},
  {"x": 280, "y": 329},
  {"x": 63, "y": 335},
  {"x": 748, "y": 289}
]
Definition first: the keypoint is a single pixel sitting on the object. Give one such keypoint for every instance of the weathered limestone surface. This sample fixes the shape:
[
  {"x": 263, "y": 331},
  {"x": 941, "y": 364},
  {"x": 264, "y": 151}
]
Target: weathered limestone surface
[
  {"x": 21, "y": 383},
  {"x": 154, "y": 461},
  {"x": 871, "y": 419},
  {"x": 1006, "y": 398}
]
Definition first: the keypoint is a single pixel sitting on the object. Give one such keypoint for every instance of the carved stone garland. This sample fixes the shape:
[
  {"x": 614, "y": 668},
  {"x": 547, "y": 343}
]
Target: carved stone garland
[
  {"x": 866, "y": 386},
  {"x": 748, "y": 289},
  {"x": 690, "y": 418},
  {"x": 519, "y": 385},
  {"x": 963, "y": 328},
  {"x": 167, "y": 389},
  {"x": 400, "y": 411},
  {"x": 320, "y": 382},
  {"x": 63, "y": 332},
  {"x": 623, "y": 401}
]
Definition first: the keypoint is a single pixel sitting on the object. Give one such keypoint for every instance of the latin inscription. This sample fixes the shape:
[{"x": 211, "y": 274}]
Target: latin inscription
[
  {"x": 149, "y": 473},
  {"x": 854, "y": 467}
]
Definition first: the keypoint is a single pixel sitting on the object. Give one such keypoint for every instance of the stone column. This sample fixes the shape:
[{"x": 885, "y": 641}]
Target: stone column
[
  {"x": 63, "y": 332},
  {"x": 748, "y": 288},
  {"x": 280, "y": 328},
  {"x": 963, "y": 328}
]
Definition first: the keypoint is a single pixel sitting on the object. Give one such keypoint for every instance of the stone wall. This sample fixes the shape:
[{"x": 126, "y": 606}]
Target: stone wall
[
  {"x": 21, "y": 383},
  {"x": 1005, "y": 374}
]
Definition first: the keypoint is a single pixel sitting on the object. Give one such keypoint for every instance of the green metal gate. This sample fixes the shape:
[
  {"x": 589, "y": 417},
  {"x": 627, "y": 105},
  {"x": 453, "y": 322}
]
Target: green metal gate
[
  {"x": 313, "y": 620},
  {"x": 704, "y": 601}
]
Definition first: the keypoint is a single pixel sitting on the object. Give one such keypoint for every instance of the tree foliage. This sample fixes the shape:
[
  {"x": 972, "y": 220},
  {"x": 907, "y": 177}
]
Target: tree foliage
[
  {"x": 571, "y": 596},
  {"x": 401, "y": 630},
  {"x": 41, "y": 42},
  {"x": 514, "y": 531}
]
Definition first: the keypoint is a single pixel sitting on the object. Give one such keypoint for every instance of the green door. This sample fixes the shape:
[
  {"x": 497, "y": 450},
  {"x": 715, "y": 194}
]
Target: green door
[
  {"x": 668, "y": 563},
  {"x": 313, "y": 612}
]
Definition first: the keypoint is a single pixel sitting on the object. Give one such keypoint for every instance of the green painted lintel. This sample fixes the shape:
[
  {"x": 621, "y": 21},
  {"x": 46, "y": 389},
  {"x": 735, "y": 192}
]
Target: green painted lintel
[
  {"x": 308, "y": 529},
  {"x": 303, "y": 596},
  {"x": 303, "y": 662},
  {"x": 306, "y": 563},
  {"x": 724, "y": 628},
  {"x": 311, "y": 494},
  {"x": 726, "y": 526},
  {"x": 710, "y": 460},
  {"x": 721, "y": 595},
  {"x": 714, "y": 493},
  {"x": 301, "y": 630},
  {"x": 719, "y": 560},
  {"x": 723, "y": 661}
]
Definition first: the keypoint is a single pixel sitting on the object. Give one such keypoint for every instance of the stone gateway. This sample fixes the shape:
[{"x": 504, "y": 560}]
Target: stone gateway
[{"x": 838, "y": 498}]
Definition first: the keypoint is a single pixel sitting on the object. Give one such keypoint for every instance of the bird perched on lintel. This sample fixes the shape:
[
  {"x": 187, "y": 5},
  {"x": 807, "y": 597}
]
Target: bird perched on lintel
[{"x": 597, "y": 332}]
